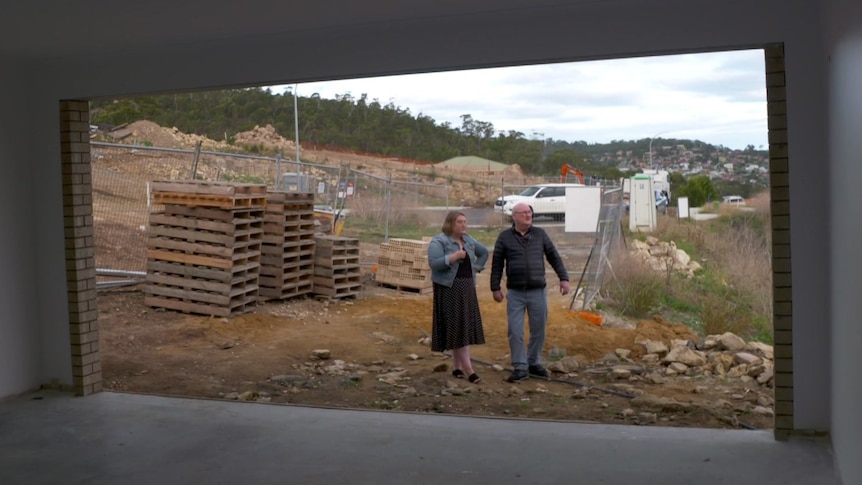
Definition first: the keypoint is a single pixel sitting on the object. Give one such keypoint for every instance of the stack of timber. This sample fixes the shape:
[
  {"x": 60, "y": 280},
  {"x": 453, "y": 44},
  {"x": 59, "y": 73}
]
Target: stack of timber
[
  {"x": 287, "y": 262},
  {"x": 337, "y": 272},
  {"x": 204, "y": 247},
  {"x": 403, "y": 264}
]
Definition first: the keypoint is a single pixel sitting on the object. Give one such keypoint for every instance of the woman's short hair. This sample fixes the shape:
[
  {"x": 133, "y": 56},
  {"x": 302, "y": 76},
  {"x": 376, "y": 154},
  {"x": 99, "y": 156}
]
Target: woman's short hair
[{"x": 450, "y": 221}]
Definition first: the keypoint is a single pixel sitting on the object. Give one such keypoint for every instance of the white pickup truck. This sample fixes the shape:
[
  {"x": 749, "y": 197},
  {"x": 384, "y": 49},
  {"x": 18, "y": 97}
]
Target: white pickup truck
[{"x": 545, "y": 199}]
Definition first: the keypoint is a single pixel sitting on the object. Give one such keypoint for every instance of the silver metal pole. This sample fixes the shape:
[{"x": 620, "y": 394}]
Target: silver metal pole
[
  {"x": 650, "y": 153},
  {"x": 194, "y": 173},
  {"x": 278, "y": 181},
  {"x": 296, "y": 138},
  {"x": 388, "y": 206}
]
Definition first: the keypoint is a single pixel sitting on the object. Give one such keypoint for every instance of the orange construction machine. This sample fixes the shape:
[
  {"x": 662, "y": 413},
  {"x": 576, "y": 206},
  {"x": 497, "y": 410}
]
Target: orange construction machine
[{"x": 568, "y": 169}]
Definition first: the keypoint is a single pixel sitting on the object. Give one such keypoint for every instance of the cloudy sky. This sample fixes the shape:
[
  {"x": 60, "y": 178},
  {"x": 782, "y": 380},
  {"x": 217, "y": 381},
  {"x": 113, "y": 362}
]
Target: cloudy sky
[{"x": 718, "y": 98}]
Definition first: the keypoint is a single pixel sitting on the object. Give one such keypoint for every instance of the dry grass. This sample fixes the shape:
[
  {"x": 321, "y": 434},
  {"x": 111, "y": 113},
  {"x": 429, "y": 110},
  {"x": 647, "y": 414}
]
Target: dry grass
[
  {"x": 634, "y": 289},
  {"x": 733, "y": 292}
]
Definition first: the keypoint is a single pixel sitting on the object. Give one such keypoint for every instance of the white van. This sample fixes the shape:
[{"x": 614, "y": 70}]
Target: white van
[
  {"x": 735, "y": 200},
  {"x": 545, "y": 199}
]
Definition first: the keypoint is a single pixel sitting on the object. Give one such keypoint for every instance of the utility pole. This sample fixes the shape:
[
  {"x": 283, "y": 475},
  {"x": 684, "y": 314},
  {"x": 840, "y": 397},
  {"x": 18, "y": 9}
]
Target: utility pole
[
  {"x": 296, "y": 137},
  {"x": 650, "y": 147}
]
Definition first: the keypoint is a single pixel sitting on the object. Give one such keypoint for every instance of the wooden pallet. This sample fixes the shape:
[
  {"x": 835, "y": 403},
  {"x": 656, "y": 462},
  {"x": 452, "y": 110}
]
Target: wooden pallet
[
  {"x": 344, "y": 270},
  {"x": 280, "y": 280},
  {"x": 204, "y": 247},
  {"x": 241, "y": 298},
  {"x": 283, "y": 197},
  {"x": 279, "y": 257},
  {"x": 195, "y": 193},
  {"x": 288, "y": 237},
  {"x": 337, "y": 271},
  {"x": 235, "y": 216},
  {"x": 208, "y": 188},
  {"x": 287, "y": 260},
  {"x": 278, "y": 223},
  {"x": 281, "y": 288},
  {"x": 248, "y": 304},
  {"x": 324, "y": 292},
  {"x": 425, "y": 290},
  {"x": 208, "y": 261},
  {"x": 229, "y": 224},
  {"x": 328, "y": 241},
  {"x": 231, "y": 275},
  {"x": 204, "y": 200},
  {"x": 290, "y": 208},
  {"x": 203, "y": 243},
  {"x": 334, "y": 261},
  {"x": 287, "y": 291}
]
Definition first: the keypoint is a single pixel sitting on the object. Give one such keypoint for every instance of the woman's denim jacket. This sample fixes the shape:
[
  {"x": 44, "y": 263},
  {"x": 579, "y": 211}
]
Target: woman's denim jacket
[{"x": 442, "y": 271}]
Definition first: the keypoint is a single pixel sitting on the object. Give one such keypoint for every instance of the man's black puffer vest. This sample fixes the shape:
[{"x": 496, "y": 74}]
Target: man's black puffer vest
[{"x": 524, "y": 259}]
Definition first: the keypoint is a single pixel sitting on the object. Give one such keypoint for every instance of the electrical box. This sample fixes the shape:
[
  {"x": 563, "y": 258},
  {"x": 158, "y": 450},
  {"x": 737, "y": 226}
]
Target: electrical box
[{"x": 294, "y": 182}]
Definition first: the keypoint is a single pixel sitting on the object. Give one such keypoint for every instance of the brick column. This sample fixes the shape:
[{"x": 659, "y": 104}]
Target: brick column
[
  {"x": 80, "y": 246},
  {"x": 782, "y": 284}
]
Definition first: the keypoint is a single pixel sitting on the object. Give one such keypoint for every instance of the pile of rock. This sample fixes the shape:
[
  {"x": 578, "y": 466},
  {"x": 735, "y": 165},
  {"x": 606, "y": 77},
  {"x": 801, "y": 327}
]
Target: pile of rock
[
  {"x": 663, "y": 256},
  {"x": 726, "y": 356},
  {"x": 267, "y": 138}
]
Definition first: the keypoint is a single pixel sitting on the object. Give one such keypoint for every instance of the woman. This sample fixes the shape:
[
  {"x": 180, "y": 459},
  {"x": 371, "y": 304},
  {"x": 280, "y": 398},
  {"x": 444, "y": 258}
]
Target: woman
[{"x": 455, "y": 258}]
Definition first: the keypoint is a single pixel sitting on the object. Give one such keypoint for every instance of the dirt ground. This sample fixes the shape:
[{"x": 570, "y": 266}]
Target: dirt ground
[{"x": 380, "y": 358}]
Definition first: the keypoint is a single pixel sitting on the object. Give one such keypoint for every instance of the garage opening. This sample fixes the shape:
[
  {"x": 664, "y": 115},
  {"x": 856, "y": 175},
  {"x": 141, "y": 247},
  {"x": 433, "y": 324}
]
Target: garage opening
[{"x": 370, "y": 349}]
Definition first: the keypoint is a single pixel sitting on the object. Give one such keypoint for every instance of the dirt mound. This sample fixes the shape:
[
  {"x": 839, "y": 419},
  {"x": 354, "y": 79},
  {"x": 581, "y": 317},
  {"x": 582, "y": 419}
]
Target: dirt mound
[
  {"x": 144, "y": 131},
  {"x": 267, "y": 138},
  {"x": 465, "y": 187}
]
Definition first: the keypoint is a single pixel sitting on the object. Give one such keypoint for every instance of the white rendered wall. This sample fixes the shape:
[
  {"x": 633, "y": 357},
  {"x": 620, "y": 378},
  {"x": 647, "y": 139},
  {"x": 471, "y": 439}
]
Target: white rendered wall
[
  {"x": 844, "y": 46},
  {"x": 19, "y": 334},
  {"x": 562, "y": 33},
  {"x": 583, "y": 207}
]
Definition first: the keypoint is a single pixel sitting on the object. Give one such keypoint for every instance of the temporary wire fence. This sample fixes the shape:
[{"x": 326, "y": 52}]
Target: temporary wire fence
[
  {"x": 608, "y": 239},
  {"x": 122, "y": 173},
  {"x": 377, "y": 203}
]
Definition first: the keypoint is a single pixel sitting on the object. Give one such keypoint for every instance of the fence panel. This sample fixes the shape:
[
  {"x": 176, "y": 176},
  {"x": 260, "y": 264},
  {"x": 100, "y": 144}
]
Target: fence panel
[
  {"x": 375, "y": 204},
  {"x": 608, "y": 239},
  {"x": 122, "y": 174},
  {"x": 121, "y": 178}
]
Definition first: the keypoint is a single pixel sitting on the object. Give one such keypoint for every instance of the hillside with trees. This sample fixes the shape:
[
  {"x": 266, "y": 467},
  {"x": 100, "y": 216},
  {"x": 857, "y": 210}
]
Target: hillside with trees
[{"x": 368, "y": 126}]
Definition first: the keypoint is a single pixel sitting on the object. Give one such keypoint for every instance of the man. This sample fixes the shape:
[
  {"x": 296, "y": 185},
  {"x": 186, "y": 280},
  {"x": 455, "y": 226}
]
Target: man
[{"x": 522, "y": 250}]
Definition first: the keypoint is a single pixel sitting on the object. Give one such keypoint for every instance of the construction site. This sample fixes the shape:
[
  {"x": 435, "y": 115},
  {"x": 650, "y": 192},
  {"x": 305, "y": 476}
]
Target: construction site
[{"x": 243, "y": 292}]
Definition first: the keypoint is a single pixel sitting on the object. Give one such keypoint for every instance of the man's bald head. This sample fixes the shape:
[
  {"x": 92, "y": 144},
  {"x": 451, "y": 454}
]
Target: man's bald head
[{"x": 522, "y": 216}]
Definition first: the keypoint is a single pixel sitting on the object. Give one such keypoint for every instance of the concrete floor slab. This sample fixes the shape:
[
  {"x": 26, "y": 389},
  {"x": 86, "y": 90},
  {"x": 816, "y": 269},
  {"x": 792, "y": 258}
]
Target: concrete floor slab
[{"x": 114, "y": 438}]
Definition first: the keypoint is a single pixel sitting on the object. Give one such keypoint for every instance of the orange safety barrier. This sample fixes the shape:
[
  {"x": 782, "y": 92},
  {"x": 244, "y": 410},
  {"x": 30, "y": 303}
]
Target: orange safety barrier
[{"x": 591, "y": 317}]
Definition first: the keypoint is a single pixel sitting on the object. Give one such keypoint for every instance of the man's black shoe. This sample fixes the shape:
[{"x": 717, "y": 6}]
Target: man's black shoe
[
  {"x": 518, "y": 375},
  {"x": 538, "y": 371}
]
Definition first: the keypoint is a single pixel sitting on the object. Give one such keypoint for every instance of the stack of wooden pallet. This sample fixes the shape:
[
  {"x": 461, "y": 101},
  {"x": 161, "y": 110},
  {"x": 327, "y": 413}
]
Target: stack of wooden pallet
[
  {"x": 337, "y": 272},
  {"x": 204, "y": 247},
  {"x": 287, "y": 262},
  {"x": 403, "y": 265}
]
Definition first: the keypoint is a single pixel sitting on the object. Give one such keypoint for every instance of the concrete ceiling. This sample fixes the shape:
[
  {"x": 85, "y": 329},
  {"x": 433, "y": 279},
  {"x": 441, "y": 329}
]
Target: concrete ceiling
[{"x": 61, "y": 28}]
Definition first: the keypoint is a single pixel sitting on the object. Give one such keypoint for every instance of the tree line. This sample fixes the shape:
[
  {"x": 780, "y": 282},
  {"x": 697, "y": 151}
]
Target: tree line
[{"x": 366, "y": 125}]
